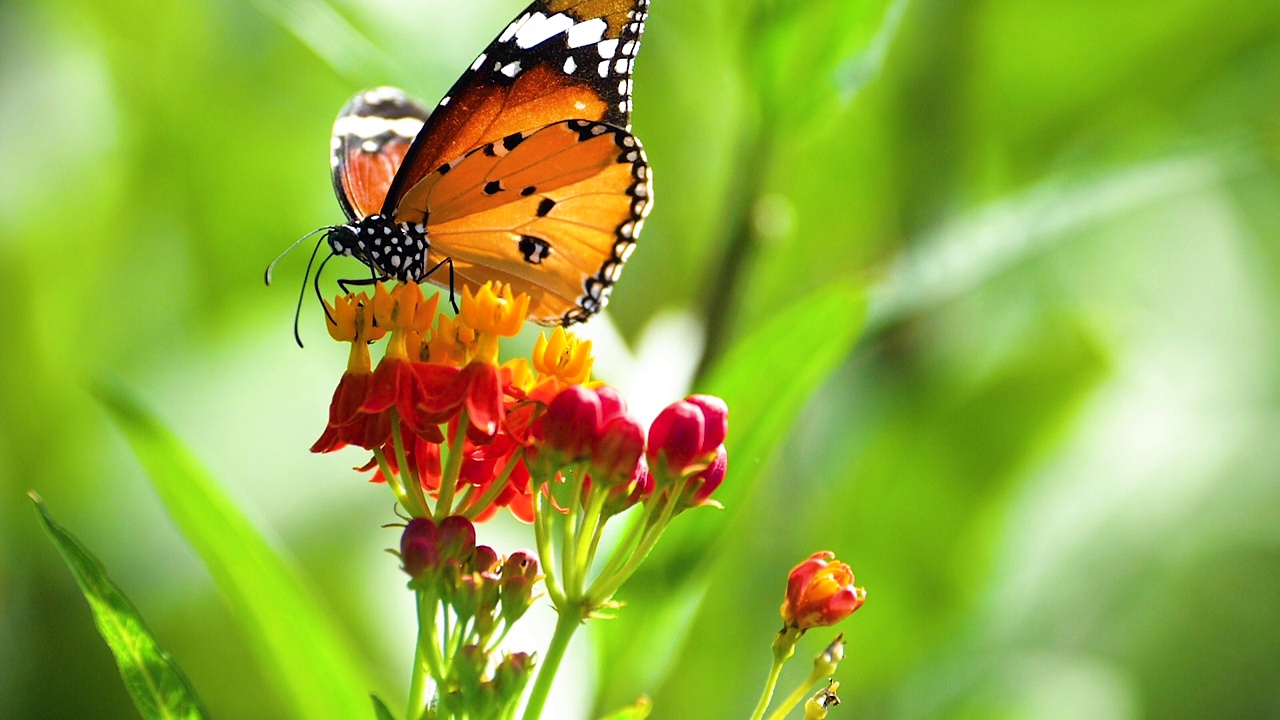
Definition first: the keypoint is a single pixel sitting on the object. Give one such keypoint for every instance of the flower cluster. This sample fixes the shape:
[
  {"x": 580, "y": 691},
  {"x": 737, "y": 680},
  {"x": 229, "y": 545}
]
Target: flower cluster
[
  {"x": 439, "y": 412},
  {"x": 485, "y": 595},
  {"x": 457, "y": 434}
]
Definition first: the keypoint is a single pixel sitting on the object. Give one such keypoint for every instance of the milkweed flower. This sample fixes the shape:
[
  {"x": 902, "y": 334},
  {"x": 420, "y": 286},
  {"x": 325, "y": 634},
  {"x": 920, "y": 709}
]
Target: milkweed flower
[{"x": 820, "y": 592}]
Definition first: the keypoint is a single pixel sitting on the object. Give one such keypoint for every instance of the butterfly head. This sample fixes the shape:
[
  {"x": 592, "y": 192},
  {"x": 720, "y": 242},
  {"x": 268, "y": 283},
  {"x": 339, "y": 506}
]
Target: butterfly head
[{"x": 390, "y": 249}]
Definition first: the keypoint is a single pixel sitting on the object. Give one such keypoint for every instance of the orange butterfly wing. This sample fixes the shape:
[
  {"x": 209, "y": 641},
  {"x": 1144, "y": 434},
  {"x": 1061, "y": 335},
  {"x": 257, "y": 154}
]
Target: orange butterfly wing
[
  {"x": 559, "y": 60},
  {"x": 553, "y": 212}
]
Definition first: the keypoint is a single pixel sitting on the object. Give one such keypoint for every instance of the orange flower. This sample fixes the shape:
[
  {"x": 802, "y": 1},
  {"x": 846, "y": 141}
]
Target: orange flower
[{"x": 820, "y": 592}]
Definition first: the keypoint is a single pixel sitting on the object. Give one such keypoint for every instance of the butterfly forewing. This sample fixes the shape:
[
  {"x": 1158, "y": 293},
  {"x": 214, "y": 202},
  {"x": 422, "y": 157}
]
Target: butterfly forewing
[
  {"x": 554, "y": 212},
  {"x": 558, "y": 60},
  {"x": 371, "y": 136}
]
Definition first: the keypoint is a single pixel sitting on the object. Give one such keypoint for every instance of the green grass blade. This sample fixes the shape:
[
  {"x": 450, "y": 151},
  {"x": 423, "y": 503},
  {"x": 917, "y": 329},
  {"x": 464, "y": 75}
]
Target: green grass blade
[
  {"x": 294, "y": 638},
  {"x": 155, "y": 681}
]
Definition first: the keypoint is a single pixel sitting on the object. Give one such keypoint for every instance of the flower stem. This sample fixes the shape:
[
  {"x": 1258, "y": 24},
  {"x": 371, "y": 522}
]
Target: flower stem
[
  {"x": 424, "y": 658},
  {"x": 453, "y": 466},
  {"x": 769, "y": 684},
  {"x": 393, "y": 482},
  {"x": 409, "y": 477},
  {"x": 784, "y": 646},
  {"x": 795, "y": 698},
  {"x": 566, "y": 625},
  {"x": 542, "y": 530}
]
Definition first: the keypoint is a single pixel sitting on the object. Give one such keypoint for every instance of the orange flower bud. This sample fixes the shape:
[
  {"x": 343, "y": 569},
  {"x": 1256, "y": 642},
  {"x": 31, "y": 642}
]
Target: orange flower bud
[{"x": 820, "y": 592}]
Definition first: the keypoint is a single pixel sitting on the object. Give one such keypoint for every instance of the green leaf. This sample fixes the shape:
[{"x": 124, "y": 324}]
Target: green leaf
[
  {"x": 296, "y": 640},
  {"x": 155, "y": 681},
  {"x": 380, "y": 709},
  {"x": 791, "y": 355}
]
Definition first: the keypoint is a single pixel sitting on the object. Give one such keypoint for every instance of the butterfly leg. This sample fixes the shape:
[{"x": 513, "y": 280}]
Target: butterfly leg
[
  {"x": 346, "y": 285},
  {"x": 447, "y": 261}
]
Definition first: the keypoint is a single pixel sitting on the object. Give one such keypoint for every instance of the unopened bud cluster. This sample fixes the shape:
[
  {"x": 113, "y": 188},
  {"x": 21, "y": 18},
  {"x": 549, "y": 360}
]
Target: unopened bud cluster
[{"x": 482, "y": 594}]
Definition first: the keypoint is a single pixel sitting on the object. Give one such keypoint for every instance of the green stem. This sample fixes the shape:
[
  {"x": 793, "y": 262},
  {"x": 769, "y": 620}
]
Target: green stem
[
  {"x": 566, "y": 625},
  {"x": 414, "y": 485},
  {"x": 607, "y": 586},
  {"x": 452, "y": 468},
  {"x": 795, "y": 698},
  {"x": 425, "y": 659},
  {"x": 624, "y": 550},
  {"x": 393, "y": 482},
  {"x": 769, "y": 684},
  {"x": 542, "y": 534},
  {"x": 572, "y": 583},
  {"x": 589, "y": 531}
]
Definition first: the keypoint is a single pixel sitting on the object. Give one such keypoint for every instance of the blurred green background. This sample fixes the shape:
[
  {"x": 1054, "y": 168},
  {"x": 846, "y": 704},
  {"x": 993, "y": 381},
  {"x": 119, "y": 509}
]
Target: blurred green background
[{"x": 1052, "y": 457}]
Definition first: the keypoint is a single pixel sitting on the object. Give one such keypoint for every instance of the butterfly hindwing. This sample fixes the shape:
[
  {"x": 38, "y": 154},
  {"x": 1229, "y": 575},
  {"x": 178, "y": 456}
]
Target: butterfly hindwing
[
  {"x": 370, "y": 138},
  {"x": 558, "y": 60},
  {"x": 553, "y": 212}
]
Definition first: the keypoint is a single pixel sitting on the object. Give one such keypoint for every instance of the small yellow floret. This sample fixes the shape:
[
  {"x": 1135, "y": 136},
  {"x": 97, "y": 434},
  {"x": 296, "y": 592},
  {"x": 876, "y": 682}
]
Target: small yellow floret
[
  {"x": 563, "y": 356},
  {"x": 451, "y": 343},
  {"x": 493, "y": 309}
]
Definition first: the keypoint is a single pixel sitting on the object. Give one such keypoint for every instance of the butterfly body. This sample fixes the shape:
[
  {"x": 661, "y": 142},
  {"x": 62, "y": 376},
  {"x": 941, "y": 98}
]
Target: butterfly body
[{"x": 526, "y": 172}]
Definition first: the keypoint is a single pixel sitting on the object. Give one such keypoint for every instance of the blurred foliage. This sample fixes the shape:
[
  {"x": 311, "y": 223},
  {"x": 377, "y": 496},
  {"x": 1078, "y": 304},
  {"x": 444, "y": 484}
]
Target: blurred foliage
[{"x": 1051, "y": 459}]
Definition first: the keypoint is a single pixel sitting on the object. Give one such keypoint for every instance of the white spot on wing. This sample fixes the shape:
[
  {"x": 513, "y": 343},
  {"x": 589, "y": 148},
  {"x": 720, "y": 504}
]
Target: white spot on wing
[
  {"x": 585, "y": 33},
  {"x": 479, "y": 61},
  {"x": 540, "y": 27},
  {"x": 607, "y": 48},
  {"x": 570, "y": 65},
  {"x": 511, "y": 69}
]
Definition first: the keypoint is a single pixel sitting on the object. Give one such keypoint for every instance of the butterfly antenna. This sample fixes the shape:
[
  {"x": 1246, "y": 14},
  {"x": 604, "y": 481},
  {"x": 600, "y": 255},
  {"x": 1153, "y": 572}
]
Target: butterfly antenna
[
  {"x": 271, "y": 268},
  {"x": 302, "y": 291}
]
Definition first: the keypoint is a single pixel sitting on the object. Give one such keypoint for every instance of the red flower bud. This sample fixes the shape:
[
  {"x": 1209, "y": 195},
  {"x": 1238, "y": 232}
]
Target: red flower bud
[
  {"x": 706, "y": 481},
  {"x": 820, "y": 592},
  {"x": 420, "y": 547},
  {"x": 485, "y": 560},
  {"x": 715, "y": 420},
  {"x": 675, "y": 438},
  {"x": 572, "y": 423},
  {"x": 612, "y": 404},
  {"x": 623, "y": 497},
  {"x": 457, "y": 540},
  {"x": 616, "y": 452},
  {"x": 519, "y": 573}
]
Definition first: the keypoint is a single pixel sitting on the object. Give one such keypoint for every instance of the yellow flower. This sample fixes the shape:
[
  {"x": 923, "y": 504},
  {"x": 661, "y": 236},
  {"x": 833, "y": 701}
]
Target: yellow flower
[
  {"x": 563, "y": 356},
  {"x": 349, "y": 320},
  {"x": 452, "y": 343},
  {"x": 493, "y": 312}
]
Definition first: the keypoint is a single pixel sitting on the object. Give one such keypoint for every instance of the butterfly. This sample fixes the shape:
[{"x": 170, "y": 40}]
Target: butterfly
[{"x": 526, "y": 172}]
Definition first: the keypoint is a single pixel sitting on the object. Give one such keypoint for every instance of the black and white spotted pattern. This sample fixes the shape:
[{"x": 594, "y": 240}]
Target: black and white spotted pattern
[{"x": 392, "y": 250}]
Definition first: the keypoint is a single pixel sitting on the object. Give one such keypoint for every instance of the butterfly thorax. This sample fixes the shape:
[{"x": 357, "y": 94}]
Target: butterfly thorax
[{"x": 394, "y": 250}]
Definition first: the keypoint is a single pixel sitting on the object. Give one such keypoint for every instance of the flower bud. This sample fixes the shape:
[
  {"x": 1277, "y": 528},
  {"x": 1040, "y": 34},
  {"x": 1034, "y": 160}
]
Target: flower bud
[
  {"x": 612, "y": 404},
  {"x": 675, "y": 438},
  {"x": 457, "y": 540},
  {"x": 707, "y": 480},
  {"x": 572, "y": 423},
  {"x": 623, "y": 497},
  {"x": 820, "y": 592},
  {"x": 616, "y": 452},
  {"x": 420, "y": 548},
  {"x": 485, "y": 560},
  {"x": 715, "y": 420},
  {"x": 510, "y": 677},
  {"x": 519, "y": 573}
]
